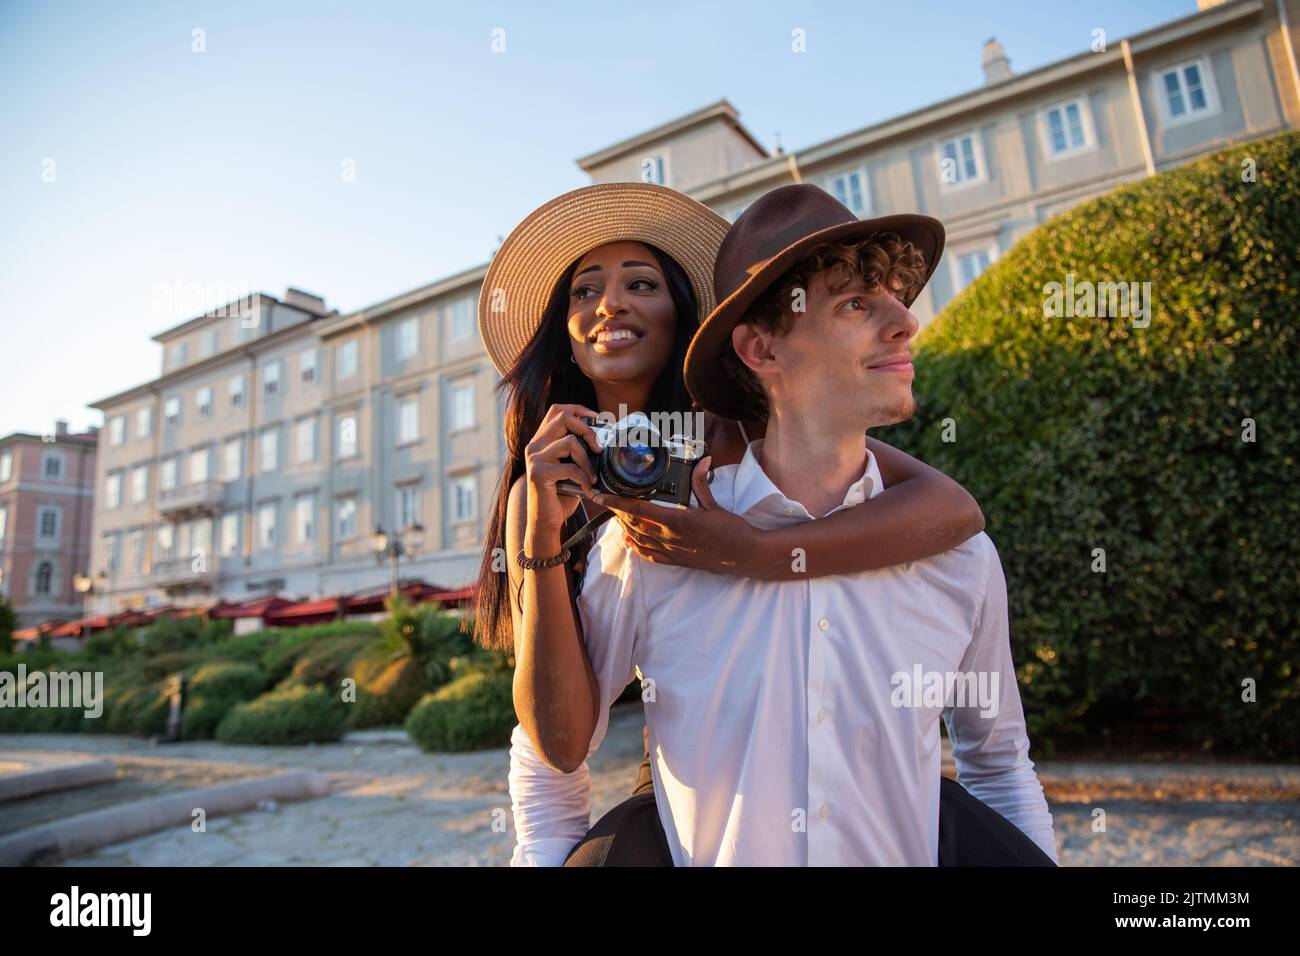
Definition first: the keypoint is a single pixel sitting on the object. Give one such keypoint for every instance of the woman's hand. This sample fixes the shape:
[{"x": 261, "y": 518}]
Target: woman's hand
[
  {"x": 707, "y": 538},
  {"x": 557, "y": 453}
]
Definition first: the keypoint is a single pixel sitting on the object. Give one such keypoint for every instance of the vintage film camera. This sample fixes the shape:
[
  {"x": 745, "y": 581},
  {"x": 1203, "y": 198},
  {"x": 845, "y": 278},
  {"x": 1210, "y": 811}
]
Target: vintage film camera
[{"x": 637, "y": 461}]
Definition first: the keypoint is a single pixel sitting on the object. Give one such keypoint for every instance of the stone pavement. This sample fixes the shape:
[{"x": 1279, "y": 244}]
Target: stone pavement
[{"x": 393, "y": 805}]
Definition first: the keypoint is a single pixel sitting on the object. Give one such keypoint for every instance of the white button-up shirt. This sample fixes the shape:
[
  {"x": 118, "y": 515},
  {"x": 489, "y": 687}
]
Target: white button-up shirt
[{"x": 781, "y": 732}]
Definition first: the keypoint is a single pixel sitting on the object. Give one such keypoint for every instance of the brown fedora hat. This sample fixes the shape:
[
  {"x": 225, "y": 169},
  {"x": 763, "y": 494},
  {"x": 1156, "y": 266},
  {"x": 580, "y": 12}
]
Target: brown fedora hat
[{"x": 769, "y": 238}]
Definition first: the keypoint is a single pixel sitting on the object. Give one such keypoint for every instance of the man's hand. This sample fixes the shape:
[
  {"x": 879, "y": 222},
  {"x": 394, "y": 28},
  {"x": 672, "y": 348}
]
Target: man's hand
[{"x": 707, "y": 538}]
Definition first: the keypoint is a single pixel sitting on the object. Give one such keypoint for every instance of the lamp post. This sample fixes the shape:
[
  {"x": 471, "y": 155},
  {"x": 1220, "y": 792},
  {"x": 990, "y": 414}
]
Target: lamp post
[
  {"x": 84, "y": 585},
  {"x": 392, "y": 547}
]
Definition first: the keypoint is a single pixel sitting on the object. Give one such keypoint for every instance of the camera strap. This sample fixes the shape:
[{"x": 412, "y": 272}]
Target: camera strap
[{"x": 587, "y": 529}]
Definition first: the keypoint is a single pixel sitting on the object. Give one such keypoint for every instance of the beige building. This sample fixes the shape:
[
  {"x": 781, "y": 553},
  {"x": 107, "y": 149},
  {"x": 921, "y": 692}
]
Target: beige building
[{"x": 270, "y": 447}]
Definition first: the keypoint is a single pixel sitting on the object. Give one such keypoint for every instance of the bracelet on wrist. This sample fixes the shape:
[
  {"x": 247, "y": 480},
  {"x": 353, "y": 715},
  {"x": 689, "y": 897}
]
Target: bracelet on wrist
[{"x": 535, "y": 564}]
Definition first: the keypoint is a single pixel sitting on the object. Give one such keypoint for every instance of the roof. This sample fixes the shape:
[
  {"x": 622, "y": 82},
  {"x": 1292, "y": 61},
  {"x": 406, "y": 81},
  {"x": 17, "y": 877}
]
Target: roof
[
  {"x": 719, "y": 110},
  {"x": 963, "y": 105}
]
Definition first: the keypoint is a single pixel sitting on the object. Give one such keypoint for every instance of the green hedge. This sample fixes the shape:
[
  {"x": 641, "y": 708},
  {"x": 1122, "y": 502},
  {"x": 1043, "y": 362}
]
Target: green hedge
[
  {"x": 213, "y": 691},
  {"x": 474, "y": 711},
  {"x": 290, "y": 714},
  {"x": 1085, "y": 433},
  {"x": 387, "y": 689}
]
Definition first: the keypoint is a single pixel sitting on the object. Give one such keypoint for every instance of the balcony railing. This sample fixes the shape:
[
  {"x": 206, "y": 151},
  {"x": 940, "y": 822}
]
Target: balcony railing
[
  {"x": 199, "y": 497},
  {"x": 182, "y": 573}
]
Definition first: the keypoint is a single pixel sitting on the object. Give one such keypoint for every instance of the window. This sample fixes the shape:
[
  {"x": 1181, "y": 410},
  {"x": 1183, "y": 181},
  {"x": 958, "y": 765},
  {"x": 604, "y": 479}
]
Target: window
[
  {"x": 347, "y": 436},
  {"x": 304, "y": 518},
  {"x": 1066, "y": 128},
  {"x": 851, "y": 189},
  {"x": 266, "y": 525},
  {"x": 462, "y": 405},
  {"x": 463, "y": 504},
  {"x": 143, "y": 422},
  {"x": 210, "y": 342},
  {"x": 179, "y": 353},
  {"x": 172, "y": 411},
  {"x": 52, "y": 466},
  {"x": 971, "y": 264},
  {"x": 305, "y": 433},
  {"x": 408, "y": 506},
  {"x": 408, "y": 338},
  {"x": 408, "y": 419},
  {"x": 345, "y": 519},
  {"x": 347, "y": 355},
  {"x": 117, "y": 430},
  {"x": 199, "y": 464},
  {"x": 44, "y": 575},
  {"x": 653, "y": 171},
  {"x": 229, "y": 534},
  {"x": 235, "y": 389},
  {"x": 203, "y": 401},
  {"x": 1187, "y": 92},
  {"x": 112, "y": 551},
  {"x": 232, "y": 455},
  {"x": 164, "y": 542},
  {"x": 113, "y": 490},
  {"x": 269, "y": 443},
  {"x": 201, "y": 538},
  {"x": 47, "y": 522},
  {"x": 307, "y": 365},
  {"x": 167, "y": 469},
  {"x": 271, "y": 378},
  {"x": 6, "y": 466},
  {"x": 462, "y": 318},
  {"x": 135, "y": 549},
  {"x": 4, "y": 524},
  {"x": 961, "y": 161},
  {"x": 139, "y": 483}
]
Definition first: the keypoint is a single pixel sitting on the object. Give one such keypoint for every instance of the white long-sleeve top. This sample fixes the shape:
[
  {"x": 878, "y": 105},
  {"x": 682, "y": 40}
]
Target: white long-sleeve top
[{"x": 782, "y": 730}]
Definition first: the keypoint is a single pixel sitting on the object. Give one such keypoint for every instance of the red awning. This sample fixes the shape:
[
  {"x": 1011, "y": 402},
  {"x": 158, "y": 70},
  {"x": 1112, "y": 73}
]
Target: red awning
[
  {"x": 307, "y": 612},
  {"x": 454, "y": 597},
  {"x": 257, "y": 607},
  {"x": 372, "y": 602}
]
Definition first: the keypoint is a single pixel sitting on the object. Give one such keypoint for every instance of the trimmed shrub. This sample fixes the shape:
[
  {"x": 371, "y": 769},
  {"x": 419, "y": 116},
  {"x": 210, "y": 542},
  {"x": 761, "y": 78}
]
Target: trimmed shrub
[
  {"x": 213, "y": 691},
  {"x": 181, "y": 634},
  {"x": 1089, "y": 439},
  {"x": 475, "y": 711},
  {"x": 387, "y": 689},
  {"x": 328, "y": 660},
  {"x": 287, "y": 715}
]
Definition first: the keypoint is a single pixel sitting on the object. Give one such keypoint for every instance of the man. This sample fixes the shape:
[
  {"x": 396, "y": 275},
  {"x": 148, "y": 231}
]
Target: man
[{"x": 785, "y": 719}]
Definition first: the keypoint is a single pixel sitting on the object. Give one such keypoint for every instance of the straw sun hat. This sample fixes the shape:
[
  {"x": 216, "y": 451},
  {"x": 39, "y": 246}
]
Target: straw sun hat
[{"x": 524, "y": 271}]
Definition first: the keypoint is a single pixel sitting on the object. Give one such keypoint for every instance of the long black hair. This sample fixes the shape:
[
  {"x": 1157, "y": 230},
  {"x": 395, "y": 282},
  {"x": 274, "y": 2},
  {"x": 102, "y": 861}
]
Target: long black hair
[{"x": 544, "y": 375}]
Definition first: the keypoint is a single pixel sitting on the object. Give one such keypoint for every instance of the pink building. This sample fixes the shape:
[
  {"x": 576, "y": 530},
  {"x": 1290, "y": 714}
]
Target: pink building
[{"x": 47, "y": 487}]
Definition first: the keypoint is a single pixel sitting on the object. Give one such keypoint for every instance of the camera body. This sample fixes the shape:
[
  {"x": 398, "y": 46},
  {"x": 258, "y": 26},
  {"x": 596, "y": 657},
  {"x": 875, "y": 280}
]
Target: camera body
[{"x": 637, "y": 461}]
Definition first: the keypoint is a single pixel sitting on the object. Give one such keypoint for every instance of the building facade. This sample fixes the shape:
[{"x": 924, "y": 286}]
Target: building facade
[
  {"x": 47, "y": 485},
  {"x": 268, "y": 450}
]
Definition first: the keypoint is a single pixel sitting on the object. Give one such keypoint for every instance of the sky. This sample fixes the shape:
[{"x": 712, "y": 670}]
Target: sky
[{"x": 147, "y": 147}]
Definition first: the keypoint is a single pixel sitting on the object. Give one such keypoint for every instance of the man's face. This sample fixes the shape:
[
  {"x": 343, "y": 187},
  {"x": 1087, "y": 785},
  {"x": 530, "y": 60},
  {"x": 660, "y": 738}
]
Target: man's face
[{"x": 847, "y": 356}]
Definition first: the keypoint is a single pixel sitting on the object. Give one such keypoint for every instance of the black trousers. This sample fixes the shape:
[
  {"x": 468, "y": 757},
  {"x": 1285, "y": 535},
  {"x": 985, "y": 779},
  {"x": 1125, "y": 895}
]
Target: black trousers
[{"x": 971, "y": 833}]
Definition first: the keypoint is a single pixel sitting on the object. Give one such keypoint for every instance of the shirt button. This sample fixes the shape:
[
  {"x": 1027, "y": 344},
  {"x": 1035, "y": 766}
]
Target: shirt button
[
  {"x": 821, "y": 716},
  {"x": 790, "y": 511},
  {"x": 825, "y": 811},
  {"x": 823, "y": 624}
]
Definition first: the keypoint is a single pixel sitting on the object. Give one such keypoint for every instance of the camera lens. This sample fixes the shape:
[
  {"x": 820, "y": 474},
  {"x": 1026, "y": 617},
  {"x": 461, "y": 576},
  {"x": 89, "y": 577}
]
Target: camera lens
[{"x": 635, "y": 466}]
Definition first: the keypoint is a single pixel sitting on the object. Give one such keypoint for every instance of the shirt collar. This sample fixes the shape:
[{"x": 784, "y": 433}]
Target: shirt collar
[{"x": 756, "y": 495}]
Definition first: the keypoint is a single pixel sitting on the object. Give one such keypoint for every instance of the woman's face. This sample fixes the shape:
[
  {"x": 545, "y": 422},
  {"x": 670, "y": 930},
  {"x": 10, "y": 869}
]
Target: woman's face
[{"x": 622, "y": 321}]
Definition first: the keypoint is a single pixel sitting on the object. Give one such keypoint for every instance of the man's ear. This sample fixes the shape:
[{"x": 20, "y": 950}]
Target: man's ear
[{"x": 752, "y": 345}]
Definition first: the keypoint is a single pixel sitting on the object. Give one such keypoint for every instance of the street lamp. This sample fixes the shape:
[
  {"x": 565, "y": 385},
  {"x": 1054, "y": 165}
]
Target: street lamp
[
  {"x": 84, "y": 585},
  {"x": 392, "y": 547}
]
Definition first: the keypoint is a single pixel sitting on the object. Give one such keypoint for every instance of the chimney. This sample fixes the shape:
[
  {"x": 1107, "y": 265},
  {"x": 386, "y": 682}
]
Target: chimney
[
  {"x": 997, "y": 67},
  {"x": 60, "y": 426},
  {"x": 305, "y": 301}
]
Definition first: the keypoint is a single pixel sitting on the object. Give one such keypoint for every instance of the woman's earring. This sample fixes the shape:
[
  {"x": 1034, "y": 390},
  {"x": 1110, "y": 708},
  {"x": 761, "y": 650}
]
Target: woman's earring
[{"x": 572, "y": 359}]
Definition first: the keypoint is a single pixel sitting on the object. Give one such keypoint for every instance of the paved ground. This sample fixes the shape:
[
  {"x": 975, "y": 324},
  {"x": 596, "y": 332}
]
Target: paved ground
[{"x": 393, "y": 805}]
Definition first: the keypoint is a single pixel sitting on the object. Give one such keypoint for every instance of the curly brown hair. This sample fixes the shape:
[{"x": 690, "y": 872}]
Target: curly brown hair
[{"x": 884, "y": 261}]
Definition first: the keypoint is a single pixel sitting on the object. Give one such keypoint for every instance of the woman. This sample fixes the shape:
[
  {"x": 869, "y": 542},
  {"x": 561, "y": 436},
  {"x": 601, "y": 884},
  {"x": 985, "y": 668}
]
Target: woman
[{"x": 589, "y": 308}]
